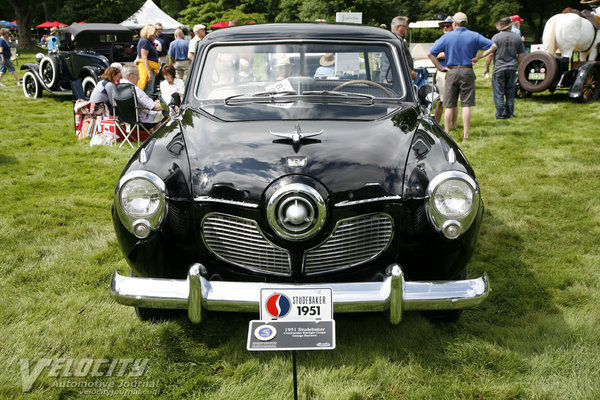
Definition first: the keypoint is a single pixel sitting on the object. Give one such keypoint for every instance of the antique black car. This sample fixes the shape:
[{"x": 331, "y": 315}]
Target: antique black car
[
  {"x": 301, "y": 157},
  {"x": 85, "y": 51}
]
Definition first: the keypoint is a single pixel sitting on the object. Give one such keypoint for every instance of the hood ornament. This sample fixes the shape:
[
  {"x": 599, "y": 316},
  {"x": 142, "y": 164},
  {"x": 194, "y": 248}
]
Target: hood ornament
[{"x": 296, "y": 136}]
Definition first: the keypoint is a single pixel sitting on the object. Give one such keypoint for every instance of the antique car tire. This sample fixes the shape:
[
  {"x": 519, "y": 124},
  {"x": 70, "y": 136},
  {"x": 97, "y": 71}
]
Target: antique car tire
[
  {"x": 31, "y": 86},
  {"x": 537, "y": 61},
  {"x": 522, "y": 93},
  {"x": 156, "y": 314},
  {"x": 445, "y": 316},
  {"x": 591, "y": 86},
  {"x": 88, "y": 84},
  {"x": 50, "y": 71}
]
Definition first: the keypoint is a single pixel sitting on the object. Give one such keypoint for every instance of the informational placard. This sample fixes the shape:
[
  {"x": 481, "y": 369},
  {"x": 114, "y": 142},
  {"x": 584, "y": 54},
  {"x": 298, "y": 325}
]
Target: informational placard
[
  {"x": 349, "y": 17},
  {"x": 291, "y": 335},
  {"x": 304, "y": 304}
]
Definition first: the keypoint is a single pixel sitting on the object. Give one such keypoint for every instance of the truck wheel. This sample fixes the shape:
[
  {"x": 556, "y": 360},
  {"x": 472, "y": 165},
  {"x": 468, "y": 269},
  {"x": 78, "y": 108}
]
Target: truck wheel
[
  {"x": 591, "y": 86},
  {"x": 88, "y": 84},
  {"x": 537, "y": 71},
  {"x": 50, "y": 71},
  {"x": 31, "y": 87}
]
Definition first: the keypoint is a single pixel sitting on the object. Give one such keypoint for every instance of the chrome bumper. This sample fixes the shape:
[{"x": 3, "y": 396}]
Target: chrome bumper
[{"x": 394, "y": 294}]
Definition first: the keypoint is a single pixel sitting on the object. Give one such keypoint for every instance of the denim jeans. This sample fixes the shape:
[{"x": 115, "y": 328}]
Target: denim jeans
[{"x": 504, "y": 86}]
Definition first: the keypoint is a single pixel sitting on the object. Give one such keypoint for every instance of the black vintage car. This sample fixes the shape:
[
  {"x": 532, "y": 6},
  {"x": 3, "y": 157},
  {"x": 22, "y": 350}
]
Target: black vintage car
[
  {"x": 85, "y": 51},
  {"x": 276, "y": 175}
]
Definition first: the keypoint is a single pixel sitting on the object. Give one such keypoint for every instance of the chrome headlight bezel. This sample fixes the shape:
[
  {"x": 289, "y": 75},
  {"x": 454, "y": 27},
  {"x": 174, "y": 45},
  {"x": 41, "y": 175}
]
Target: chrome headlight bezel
[
  {"x": 149, "y": 222},
  {"x": 452, "y": 226},
  {"x": 314, "y": 205}
]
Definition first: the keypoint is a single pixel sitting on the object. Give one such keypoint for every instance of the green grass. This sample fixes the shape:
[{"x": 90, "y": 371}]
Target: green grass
[{"x": 536, "y": 337}]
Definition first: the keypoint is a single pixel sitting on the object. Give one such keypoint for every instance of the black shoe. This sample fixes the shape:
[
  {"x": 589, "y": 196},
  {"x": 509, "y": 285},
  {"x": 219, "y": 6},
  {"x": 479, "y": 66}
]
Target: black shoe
[{"x": 500, "y": 117}]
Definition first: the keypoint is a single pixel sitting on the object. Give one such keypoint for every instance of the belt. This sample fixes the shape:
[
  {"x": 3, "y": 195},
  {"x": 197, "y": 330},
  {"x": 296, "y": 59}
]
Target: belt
[{"x": 458, "y": 66}]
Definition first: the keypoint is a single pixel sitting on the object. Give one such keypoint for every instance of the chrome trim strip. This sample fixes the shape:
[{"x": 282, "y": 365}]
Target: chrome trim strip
[
  {"x": 208, "y": 199},
  {"x": 394, "y": 294},
  {"x": 347, "y": 203}
]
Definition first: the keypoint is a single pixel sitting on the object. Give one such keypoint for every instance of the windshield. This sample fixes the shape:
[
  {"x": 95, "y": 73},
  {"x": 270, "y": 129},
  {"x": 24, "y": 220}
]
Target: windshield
[{"x": 355, "y": 70}]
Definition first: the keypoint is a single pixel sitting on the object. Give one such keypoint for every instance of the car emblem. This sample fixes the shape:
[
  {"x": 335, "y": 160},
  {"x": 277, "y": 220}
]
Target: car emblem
[
  {"x": 296, "y": 161},
  {"x": 297, "y": 135}
]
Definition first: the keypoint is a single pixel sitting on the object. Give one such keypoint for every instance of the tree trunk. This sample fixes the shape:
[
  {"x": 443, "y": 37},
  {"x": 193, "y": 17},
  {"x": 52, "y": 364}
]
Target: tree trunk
[{"x": 23, "y": 12}]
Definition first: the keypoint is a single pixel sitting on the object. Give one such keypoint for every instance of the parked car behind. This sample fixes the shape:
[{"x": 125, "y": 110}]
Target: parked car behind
[
  {"x": 268, "y": 177},
  {"x": 85, "y": 51}
]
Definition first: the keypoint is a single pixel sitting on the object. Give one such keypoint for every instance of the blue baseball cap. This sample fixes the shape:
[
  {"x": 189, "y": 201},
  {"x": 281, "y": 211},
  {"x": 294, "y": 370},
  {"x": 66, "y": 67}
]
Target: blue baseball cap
[{"x": 447, "y": 21}]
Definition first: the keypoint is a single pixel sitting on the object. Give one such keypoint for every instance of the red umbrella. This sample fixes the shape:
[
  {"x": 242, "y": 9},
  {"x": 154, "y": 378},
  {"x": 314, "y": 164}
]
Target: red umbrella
[
  {"x": 49, "y": 24},
  {"x": 220, "y": 25}
]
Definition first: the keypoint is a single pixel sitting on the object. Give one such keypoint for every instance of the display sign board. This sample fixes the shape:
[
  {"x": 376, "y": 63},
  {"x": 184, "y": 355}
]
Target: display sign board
[
  {"x": 349, "y": 17},
  {"x": 291, "y": 335},
  {"x": 304, "y": 304}
]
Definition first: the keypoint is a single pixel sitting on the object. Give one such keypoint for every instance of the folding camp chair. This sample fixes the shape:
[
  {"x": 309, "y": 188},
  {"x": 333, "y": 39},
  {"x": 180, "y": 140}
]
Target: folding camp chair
[{"x": 125, "y": 109}]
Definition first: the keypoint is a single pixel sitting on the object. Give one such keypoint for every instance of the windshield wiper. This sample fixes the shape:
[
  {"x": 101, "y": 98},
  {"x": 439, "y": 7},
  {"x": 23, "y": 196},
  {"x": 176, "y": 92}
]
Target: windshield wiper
[
  {"x": 242, "y": 98},
  {"x": 345, "y": 95}
]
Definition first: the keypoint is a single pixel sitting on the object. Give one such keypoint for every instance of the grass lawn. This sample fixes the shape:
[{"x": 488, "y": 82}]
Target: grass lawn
[{"x": 536, "y": 337}]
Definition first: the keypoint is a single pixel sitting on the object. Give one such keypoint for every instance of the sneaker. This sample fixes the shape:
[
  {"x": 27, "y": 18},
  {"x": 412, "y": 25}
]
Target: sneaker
[
  {"x": 20, "y": 83},
  {"x": 2, "y": 84}
]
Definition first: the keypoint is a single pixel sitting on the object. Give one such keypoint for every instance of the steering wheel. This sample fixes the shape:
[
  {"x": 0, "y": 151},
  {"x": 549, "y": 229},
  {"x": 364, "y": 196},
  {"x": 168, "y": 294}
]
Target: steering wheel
[{"x": 366, "y": 82}]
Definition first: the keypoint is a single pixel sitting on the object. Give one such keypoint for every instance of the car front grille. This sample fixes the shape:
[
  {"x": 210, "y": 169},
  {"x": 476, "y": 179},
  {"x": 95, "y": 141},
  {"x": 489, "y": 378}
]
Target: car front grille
[
  {"x": 354, "y": 241},
  {"x": 241, "y": 242}
]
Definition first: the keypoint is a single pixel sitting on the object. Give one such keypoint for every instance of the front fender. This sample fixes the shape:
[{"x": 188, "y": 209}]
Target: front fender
[{"x": 582, "y": 71}]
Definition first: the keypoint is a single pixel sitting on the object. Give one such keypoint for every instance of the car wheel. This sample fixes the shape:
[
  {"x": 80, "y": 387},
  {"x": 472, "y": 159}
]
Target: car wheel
[
  {"x": 156, "y": 314},
  {"x": 31, "y": 86},
  {"x": 522, "y": 93},
  {"x": 445, "y": 316},
  {"x": 50, "y": 71},
  {"x": 537, "y": 71},
  {"x": 591, "y": 86},
  {"x": 89, "y": 83}
]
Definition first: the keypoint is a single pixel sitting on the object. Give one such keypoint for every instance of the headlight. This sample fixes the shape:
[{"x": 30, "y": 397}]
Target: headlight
[
  {"x": 140, "y": 198},
  {"x": 453, "y": 198},
  {"x": 140, "y": 202},
  {"x": 453, "y": 202}
]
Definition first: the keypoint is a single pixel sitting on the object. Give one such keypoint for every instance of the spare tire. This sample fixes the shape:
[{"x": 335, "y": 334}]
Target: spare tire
[
  {"x": 537, "y": 71},
  {"x": 50, "y": 71}
]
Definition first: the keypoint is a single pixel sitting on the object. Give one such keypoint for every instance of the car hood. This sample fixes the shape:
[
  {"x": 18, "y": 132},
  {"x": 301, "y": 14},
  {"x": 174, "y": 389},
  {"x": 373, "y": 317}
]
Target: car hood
[{"x": 356, "y": 157}]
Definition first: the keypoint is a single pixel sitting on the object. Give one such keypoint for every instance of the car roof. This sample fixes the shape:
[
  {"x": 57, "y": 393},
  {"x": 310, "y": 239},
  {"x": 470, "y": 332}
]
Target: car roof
[
  {"x": 300, "y": 31},
  {"x": 76, "y": 29}
]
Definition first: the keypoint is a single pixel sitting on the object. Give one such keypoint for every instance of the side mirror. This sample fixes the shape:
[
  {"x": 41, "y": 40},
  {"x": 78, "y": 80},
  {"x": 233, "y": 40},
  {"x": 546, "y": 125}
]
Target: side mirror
[{"x": 429, "y": 97}]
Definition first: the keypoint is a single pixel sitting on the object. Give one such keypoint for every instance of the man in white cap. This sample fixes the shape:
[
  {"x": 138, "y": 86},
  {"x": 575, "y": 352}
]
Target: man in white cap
[
  {"x": 199, "y": 32},
  {"x": 461, "y": 47}
]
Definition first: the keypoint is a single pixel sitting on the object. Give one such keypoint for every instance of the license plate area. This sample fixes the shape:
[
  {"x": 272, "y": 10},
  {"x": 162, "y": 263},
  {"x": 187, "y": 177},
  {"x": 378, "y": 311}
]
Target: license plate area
[{"x": 537, "y": 76}]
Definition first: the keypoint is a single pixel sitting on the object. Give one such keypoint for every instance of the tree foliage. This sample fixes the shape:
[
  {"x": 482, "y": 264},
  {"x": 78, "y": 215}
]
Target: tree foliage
[{"x": 482, "y": 14}]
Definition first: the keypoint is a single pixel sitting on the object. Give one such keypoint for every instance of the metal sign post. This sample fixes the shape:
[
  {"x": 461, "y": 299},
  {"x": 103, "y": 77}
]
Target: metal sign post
[{"x": 291, "y": 320}]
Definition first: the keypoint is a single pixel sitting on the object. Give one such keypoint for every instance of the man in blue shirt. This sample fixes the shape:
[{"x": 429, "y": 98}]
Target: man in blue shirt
[
  {"x": 178, "y": 52},
  {"x": 461, "y": 47}
]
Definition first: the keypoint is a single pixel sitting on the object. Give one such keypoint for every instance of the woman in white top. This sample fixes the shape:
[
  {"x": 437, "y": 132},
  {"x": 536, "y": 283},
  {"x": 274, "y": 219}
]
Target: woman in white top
[{"x": 170, "y": 85}]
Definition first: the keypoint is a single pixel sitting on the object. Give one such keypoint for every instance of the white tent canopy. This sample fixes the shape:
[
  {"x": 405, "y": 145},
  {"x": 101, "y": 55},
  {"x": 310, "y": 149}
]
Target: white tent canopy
[{"x": 150, "y": 13}]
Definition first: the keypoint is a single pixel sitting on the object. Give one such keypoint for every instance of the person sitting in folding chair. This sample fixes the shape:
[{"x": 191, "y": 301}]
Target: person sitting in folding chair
[{"x": 133, "y": 106}]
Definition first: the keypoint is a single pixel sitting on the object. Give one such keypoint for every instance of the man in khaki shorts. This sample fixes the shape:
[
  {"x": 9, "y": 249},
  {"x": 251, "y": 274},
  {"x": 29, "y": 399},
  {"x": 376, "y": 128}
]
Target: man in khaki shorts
[
  {"x": 461, "y": 47},
  {"x": 440, "y": 77}
]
